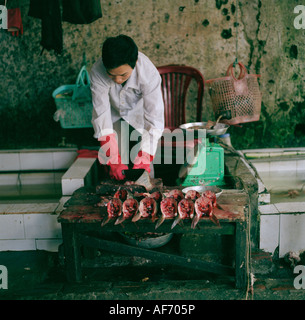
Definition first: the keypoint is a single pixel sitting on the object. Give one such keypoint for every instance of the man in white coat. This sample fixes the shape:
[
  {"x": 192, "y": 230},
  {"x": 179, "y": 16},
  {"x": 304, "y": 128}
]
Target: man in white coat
[{"x": 126, "y": 94}]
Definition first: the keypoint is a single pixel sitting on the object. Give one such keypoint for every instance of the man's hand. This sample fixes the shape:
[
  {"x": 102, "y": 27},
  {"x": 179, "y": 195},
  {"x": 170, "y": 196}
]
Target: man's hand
[
  {"x": 111, "y": 157},
  {"x": 116, "y": 171},
  {"x": 143, "y": 160}
]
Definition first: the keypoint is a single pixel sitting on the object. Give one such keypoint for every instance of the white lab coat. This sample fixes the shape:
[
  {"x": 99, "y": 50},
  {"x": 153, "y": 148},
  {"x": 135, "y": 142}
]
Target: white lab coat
[{"x": 139, "y": 102}]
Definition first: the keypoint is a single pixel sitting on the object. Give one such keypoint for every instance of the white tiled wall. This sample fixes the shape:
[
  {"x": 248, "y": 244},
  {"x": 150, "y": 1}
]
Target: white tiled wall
[
  {"x": 32, "y": 226},
  {"x": 292, "y": 235},
  {"x": 11, "y": 226},
  {"x": 37, "y": 159},
  {"x": 79, "y": 174},
  {"x": 269, "y": 232},
  {"x": 29, "y": 227},
  {"x": 9, "y": 161},
  {"x": 41, "y": 226},
  {"x": 281, "y": 224}
]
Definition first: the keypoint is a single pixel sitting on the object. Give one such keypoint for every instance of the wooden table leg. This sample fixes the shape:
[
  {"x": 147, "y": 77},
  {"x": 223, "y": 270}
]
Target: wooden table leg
[
  {"x": 72, "y": 252},
  {"x": 241, "y": 255}
]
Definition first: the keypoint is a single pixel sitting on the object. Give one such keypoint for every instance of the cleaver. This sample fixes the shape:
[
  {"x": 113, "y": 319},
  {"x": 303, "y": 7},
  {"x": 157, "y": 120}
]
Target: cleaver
[
  {"x": 140, "y": 177},
  {"x": 133, "y": 174}
]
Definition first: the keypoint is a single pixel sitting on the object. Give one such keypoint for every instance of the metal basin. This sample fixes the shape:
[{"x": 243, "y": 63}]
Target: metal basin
[
  {"x": 219, "y": 128},
  {"x": 147, "y": 242}
]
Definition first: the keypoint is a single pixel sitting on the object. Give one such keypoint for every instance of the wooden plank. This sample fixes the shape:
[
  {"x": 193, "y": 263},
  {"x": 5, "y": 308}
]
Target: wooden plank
[
  {"x": 241, "y": 255},
  {"x": 161, "y": 257},
  {"x": 91, "y": 214},
  {"x": 85, "y": 207},
  {"x": 148, "y": 226},
  {"x": 72, "y": 253}
]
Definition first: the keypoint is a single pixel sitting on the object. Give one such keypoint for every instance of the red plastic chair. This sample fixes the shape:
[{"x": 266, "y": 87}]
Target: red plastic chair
[
  {"x": 175, "y": 84},
  {"x": 176, "y": 80}
]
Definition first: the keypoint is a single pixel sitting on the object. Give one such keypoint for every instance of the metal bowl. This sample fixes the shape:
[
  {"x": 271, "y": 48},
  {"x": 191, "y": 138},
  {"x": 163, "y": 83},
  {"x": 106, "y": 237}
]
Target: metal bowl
[
  {"x": 219, "y": 128},
  {"x": 147, "y": 242},
  {"x": 202, "y": 189}
]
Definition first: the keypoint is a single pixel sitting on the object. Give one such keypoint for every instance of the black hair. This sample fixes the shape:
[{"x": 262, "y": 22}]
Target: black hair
[{"x": 118, "y": 51}]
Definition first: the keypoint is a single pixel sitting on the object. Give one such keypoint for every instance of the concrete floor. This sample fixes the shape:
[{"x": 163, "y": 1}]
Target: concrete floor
[{"x": 39, "y": 275}]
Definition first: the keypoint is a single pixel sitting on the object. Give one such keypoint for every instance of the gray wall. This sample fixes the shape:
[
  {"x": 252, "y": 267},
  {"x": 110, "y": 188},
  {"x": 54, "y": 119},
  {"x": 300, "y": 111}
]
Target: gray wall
[{"x": 197, "y": 33}]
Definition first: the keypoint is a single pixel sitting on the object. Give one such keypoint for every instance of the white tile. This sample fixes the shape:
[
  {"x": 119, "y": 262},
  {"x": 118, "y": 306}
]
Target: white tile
[
  {"x": 48, "y": 244},
  {"x": 291, "y": 207},
  {"x": 70, "y": 185},
  {"x": 268, "y": 209},
  {"x": 80, "y": 168},
  {"x": 301, "y": 176},
  {"x": 17, "y": 245},
  {"x": 11, "y": 226},
  {"x": 77, "y": 175},
  {"x": 37, "y": 178},
  {"x": 292, "y": 235},
  {"x": 301, "y": 165},
  {"x": 5, "y": 207},
  {"x": 269, "y": 232},
  {"x": 262, "y": 166},
  {"x": 9, "y": 162},
  {"x": 64, "y": 159},
  {"x": 273, "y": 150},
  {"x": 263, "y": 175},
  {"x": 8, "y": 179},
  {"x": 259, "y": 155},
  {"x": 41, "y": 226},
  {"x": 290, "y": 165},
  {"x": 36, "y": 161},
  {"x": 32, "y": 208}
]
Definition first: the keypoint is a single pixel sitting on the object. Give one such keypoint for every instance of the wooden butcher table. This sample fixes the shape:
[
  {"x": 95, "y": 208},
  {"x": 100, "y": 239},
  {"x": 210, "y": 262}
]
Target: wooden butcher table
[{"x": 81, "y": 226}]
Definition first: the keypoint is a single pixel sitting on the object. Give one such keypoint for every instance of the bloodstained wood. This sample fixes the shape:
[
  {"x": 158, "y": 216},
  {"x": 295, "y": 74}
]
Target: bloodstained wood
[{"x": 86, "y": 210}]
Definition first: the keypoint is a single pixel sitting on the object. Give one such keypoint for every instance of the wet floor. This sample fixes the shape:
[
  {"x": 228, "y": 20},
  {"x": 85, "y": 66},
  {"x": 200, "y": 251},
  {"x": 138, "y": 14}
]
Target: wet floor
[{"x": 40, "y": 275}]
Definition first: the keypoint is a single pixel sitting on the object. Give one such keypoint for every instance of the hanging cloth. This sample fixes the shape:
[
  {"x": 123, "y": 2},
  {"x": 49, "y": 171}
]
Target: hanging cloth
[
  {"x": 14, "y": 23},
  {"x": 81, "y": 11},
  {"x": 51, "y": 29}
]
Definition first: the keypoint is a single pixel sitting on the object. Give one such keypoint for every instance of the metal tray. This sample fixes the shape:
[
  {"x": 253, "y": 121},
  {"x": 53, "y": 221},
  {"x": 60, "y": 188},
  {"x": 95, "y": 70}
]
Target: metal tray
[
  {"x": 148, "y": 243},
  {"x": 202, "y": 189},
  {"x": 219, "y": 128}
]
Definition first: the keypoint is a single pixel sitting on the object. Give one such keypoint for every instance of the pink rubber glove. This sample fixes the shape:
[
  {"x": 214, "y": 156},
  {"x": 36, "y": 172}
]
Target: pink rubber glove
[
  {"x": 143, "y": 160},
  {"x": 111, "y": 156}
]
